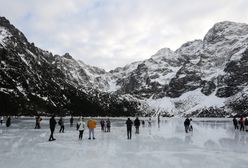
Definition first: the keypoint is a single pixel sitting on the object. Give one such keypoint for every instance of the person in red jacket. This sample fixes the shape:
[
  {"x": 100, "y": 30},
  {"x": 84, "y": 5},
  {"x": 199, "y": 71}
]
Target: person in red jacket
[{"x": 241, "y": 122}]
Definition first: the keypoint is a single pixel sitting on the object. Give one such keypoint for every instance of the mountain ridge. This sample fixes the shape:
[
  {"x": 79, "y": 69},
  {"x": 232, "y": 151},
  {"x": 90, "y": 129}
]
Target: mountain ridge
[
  {"x": 31, "y": 83},
  {"x": 180, "y": 82}
]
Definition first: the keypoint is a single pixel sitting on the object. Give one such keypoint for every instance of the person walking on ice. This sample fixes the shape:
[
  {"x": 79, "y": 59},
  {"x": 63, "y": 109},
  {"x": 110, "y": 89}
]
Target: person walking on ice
[
  {"x": 81, "y": 127},
  {"x": 129, "y": 124},
  {"x": 246, "y": 124},
  {"x": 241, "y": 122},
  {"x": 1, "y": 120},
  {"x": 150, "y": 122},
  {"x": 62, "y": 125},
  {"x": 235, "y": 123},
  {"x": 186, "y": 124},
  {"x": 8, "y": 121},
  {"x": 108, "y": 124},
  {"x": 91, "y": 124},
  {"x": 137, "y": 125},
  {"x": 102, "y": 122},
  {"x": 37, "y": 122},
  {"x": 52, "y": 124},
  {"x": 71, "y": 121},
  {"x": 143, "y": 123}
]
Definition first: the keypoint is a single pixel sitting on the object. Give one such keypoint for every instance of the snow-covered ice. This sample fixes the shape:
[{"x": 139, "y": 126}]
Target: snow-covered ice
[{"x": 214, "y": 143}]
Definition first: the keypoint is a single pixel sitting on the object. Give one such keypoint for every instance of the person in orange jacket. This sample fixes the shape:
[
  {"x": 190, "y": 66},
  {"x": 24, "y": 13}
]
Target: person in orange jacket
[{"x": 91, "y": 124}]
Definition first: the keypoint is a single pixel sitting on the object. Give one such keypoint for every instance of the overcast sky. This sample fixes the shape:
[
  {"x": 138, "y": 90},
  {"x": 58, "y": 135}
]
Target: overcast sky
[{"x": 111, "y": 33}]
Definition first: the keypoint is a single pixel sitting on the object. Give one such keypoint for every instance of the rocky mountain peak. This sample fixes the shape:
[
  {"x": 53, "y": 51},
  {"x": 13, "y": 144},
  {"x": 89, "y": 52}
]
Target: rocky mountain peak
[
  {"x": 4, "y": 23},
  {"x": 166, "y": 53},
  {"x": 67, "y": 55},
  {"x": 225, "y": 30}
]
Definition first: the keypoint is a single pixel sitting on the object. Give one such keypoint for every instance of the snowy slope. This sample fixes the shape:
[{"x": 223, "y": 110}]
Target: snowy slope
[{"x": 186, "y": 103}]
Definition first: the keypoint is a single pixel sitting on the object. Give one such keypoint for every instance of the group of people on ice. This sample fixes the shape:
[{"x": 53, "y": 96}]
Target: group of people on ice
[
  {"x": 8, "y": 121},
  {"x": 241, "y": 123},
  {"x": 187, "y": 125},
  {"x": 105, "y": 125},
  {"x": 136, "y": 124},
  {"x": 91, "y": 124}
]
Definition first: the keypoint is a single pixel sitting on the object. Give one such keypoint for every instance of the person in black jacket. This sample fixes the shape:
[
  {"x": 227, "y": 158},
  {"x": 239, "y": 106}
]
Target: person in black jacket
[
  {"x": 186, "y": 124},
  {"x": 129, "y": 124},
  {"x": 62, "y": 125},
  {"x": 1, "y": 121},
  {"x": 102, "y": 122},
  {"x": 108, "y": 124},
  {"x": 8, "y": 121},
  {"x": 52, "y": 123},
  {"x": 246, "y": 124},
  {"x": 137, "y": 125},
  {"x": 71, "y": 121},
  {"x": 235, "y": 123}
]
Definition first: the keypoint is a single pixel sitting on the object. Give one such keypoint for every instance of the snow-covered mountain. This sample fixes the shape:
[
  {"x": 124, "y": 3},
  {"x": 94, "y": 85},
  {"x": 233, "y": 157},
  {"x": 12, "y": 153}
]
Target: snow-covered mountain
[
  {"x": 34, "y": 81},
  {"x": 203, "y": 77}
]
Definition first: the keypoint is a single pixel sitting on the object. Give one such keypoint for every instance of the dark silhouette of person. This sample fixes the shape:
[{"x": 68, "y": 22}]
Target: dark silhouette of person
[
  {"x": 159, "y": 120},
  {"x": 129, "y": 124},
  {"x": 143, "y": 123},
  {"x": 8, "y": 121},
  {"x": 235, "y": 123},
  {"x": 186, "y": 124},
  {"x": 246, "y": 124},
  {"x": 37, "y": 122},
  {"x": 71, "y": 121},
  {"x": 108, "y": 123},
  {"x": 62, "y": 125},
  {"x": 52, "y": 123},
  {"x": 137, "y": 125},
  {"x": 102, "y": 123},
  {"x": 1, "y": 121}
]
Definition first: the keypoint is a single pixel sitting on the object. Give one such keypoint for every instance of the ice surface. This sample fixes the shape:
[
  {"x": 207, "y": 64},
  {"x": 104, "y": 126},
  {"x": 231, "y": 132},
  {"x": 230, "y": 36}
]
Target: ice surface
[{"x": 213, "y": 144}]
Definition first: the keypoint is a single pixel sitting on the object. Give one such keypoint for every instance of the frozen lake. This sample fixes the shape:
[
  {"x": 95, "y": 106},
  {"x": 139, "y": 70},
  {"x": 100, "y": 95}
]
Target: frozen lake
[{"x": 213, "y": 144}]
